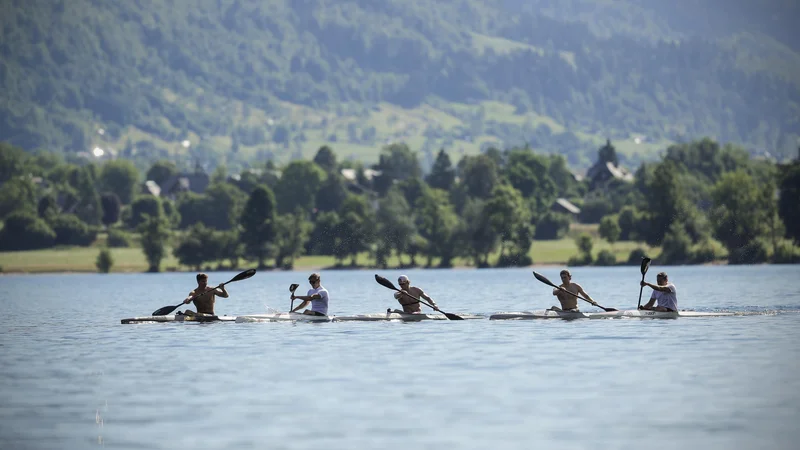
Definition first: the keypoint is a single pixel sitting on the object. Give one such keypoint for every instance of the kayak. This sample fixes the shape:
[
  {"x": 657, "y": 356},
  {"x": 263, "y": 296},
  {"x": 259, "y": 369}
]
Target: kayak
[
  {"x": 634, "y": 313},
  {"x": 292, "y": 317},
  {"x": 179, "y": 318}
]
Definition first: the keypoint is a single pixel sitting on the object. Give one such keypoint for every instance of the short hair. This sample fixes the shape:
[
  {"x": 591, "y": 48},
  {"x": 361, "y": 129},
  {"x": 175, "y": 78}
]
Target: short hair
[
  {"x": 565, "y": 271},
  {"x": 201, "y": 276},
  {"x": 662, "y": 275},
  {"x": 313, "y": 277}
]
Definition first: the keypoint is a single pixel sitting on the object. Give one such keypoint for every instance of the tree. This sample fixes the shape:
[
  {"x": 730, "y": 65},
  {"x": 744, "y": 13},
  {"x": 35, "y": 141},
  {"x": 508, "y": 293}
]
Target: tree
[
  {"x": 17, "y": 194},
  {"x": 528, "y": 173},
  {"x": 395, "y": 222},
  {"x": 741, "y": 211},
  {"x": 507, "y": 211},
  {"x": 666, "y": 202},
  {"x": 331, "y": 193},
  {"x": 788, "y": 208},
  {"x": 291, "y": 234},
  {"x": 323, "y": 236},
  {"x": 154, "y": 233},
  {"x": 356, "y": 229},
  {"x": 326, "y": 159},
  {"x": 442, "y": 175},
  {"x": 13, "y": 161},
  {"x": 609, "y": 229},
  {"x": 298, "y": 186},
  {"x": 479, "y": 174},
  {"x": 25, "y": 231},
  {"x": 161, "y": 171},
  {"x": 396, "y": 163},
  {"x": 104, "y": 260},
  {"x": 145, "y": 205},
  {"x": 121, "y": 177},
  {"x": 72, "y": 231},
  {"x": 477, "y": 234},
  {"x": 223, "y": 207},
  {"x": 258, "y": 224},
  {"x": 86, "y": 201},
  {"x": 437, "y": 223},
  {"x": 111, "y": 208},
  {"x": 198, "y": 246}
]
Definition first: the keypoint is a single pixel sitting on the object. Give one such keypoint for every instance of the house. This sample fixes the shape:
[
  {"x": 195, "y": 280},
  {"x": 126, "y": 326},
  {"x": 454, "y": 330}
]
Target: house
[
  {"x": 564, "y": 206},
  {"x": 600, "y": 174}
]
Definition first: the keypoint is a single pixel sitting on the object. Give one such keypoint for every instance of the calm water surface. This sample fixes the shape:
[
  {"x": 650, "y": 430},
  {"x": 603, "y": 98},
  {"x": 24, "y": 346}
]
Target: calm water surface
[{"x": 71, "y": 376}]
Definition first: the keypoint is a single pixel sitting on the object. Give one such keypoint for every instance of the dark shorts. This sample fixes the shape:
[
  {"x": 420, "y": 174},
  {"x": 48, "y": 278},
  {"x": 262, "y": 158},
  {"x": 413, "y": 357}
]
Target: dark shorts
[{"x": 315, "y": 313}]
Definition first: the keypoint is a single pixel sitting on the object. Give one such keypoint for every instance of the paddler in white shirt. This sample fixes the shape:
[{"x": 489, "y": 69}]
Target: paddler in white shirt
[
  {"x": 664, "y": 292},
  {"x": 569, "y": 302},
  {"x": 404, "y": 297},
  {"x": 317, "y": 295}
]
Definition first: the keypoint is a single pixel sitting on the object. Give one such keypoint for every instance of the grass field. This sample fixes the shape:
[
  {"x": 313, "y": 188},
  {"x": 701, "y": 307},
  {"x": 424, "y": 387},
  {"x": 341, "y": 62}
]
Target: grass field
[{"x": 82, "y": 259}]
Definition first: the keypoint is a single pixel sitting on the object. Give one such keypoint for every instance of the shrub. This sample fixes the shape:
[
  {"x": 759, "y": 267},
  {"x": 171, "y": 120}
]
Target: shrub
[
  {"x": 635, "y": 257},
  {"x": 552, "y": 226},
  {"x": 605, "y": 258},
  {"x": 104, "y": 261},
  {"x": 70, "y": 230},
  {"x": 26, "y": 231},
  {"x": 752, "y": 253},
  {"x": 785, "y": 253},
  {"x": 705, "y": 252},
  {"x": 118, "y": 239}
]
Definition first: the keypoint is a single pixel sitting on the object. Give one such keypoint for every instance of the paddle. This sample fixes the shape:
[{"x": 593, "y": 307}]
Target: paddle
[
  {"x": 645, "y": 266},
  {"x": 292, "y": 287},
  {"x": 386, "y": 283},
  {"x": 168, "y": 309},
  {"x": 544, "y": 280}
]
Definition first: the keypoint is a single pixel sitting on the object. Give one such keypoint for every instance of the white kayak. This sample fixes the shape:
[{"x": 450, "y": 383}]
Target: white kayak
[
  {"x": 179, "y": 318},
  {"x": 292, "y": 317},
  {"x": 633, "y": 313}
]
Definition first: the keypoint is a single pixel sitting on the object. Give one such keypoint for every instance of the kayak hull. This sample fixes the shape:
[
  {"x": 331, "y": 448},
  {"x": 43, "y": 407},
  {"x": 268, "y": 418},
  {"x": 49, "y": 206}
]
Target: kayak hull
[
  {"x": 199, "y": 318},
  {"x": 380, "y": 317},
  {"x": 569, "y": 315}
]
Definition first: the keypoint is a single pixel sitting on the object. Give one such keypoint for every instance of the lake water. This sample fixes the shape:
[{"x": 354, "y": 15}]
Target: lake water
[{"x": 71, "y": 376}]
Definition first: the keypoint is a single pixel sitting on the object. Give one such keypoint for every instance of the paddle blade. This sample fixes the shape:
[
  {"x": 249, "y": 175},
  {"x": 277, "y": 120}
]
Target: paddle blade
[
  {"x": 453, "y": 316},
  {"x": 243, "y": 276},
  {"x": 385, "y": 283},
  {"x": 165, "y": 310},
  {"x": 645, "y": 264},
  {"x": 293, "y": 287},
  {"x": 542, "y": 278},
  {"x": 609, "y": 309}
]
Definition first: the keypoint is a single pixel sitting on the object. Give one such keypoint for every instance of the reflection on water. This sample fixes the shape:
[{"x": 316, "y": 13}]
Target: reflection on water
[{"x": 73, "y": 377}]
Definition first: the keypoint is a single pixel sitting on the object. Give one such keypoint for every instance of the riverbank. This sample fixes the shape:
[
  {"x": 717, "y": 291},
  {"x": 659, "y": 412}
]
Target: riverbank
[{"x": 82, "y": 259}]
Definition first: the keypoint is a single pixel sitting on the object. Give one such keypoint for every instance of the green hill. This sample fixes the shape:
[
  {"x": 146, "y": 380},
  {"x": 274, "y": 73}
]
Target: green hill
[{"x": 247, "y": 80}]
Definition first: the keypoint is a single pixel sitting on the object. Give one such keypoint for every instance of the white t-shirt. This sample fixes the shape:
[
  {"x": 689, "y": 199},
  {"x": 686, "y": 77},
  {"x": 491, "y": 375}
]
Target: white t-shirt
[
  {"x": 667, "y": 299},
  {"x": 319, "y": 305}
]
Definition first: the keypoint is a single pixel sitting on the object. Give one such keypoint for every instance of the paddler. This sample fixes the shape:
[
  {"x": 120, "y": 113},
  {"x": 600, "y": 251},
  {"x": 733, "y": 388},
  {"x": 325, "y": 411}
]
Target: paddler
[
  {"x": 569, "y": 302},
  {"x": 406, "y": 296},
  {"x": 205, "y": 302},
  {"x": 317, "y": 295},
  {"x": 664, "y": 292}
]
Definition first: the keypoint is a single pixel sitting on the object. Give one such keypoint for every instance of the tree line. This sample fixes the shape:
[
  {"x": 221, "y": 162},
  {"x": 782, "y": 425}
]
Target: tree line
[{"x": 699, "y": 197}]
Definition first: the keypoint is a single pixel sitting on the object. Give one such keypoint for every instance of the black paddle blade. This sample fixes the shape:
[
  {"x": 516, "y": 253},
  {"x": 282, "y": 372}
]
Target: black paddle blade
[
  {"x": 542, "y": 278},
  {"x": 244, "y": 275},
  {"x": 385, "y": 283},
  {"x": 293, "y": 287},
  {"x": 165, "y": 310},
  {"x": 609, "y": 309},
  {"x": 452, "y": 316},
  {"x": 645, "y": 264}
]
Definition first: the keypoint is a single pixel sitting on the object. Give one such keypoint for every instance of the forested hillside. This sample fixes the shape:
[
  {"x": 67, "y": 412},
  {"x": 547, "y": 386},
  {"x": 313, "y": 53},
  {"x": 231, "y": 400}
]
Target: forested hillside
[{"x": 247, "y": 80}]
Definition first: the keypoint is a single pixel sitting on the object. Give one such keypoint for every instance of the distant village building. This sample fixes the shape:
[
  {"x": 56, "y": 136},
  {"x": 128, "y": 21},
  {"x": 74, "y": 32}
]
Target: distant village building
[
  {"x": 602, "y": 173},
  {"x": 564, "y": 206}
]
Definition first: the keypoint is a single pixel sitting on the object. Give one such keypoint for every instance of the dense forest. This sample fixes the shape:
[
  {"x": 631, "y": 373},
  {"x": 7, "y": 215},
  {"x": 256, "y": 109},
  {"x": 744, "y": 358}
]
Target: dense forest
[
  {"x": 701, "y": 202},
  {"x": 248, "y": 81}
]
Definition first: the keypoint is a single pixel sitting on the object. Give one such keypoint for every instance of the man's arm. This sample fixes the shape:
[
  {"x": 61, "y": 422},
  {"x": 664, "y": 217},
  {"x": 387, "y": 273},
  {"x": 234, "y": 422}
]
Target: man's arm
[
  {"x": 302, "y": 305},
  {"x": 586, "y": 295},
  {"x": 656, "y": 287},
  {"x": 188, "y": 298},
  {"x": 220, "y": 291},
  {"x": 430, "y": 300}
]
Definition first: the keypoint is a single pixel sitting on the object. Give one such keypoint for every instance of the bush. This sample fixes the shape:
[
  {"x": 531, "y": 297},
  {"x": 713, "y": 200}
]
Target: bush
[
  {"x": 579, "y": 260},
  {"x": 514, "y": 260},
  {"x": 705, "y": 252},
  {"x": 552, "y": 226},
  {"x": 118, "y": 239},
  {"x": 635, "y": 258},
  {"x": 26, "y": 231},
  {"x": 785, "y": 253},
  {"x": 605, "y": 258},
  {"x": 70, "y": 230},
  {"x": 104, "y": 261},
  {"x": 754, "y": 252}
]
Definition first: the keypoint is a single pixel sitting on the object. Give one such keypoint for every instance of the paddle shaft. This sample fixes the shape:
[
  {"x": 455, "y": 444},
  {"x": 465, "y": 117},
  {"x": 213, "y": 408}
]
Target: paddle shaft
[{"x": 645, "y": 266}]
